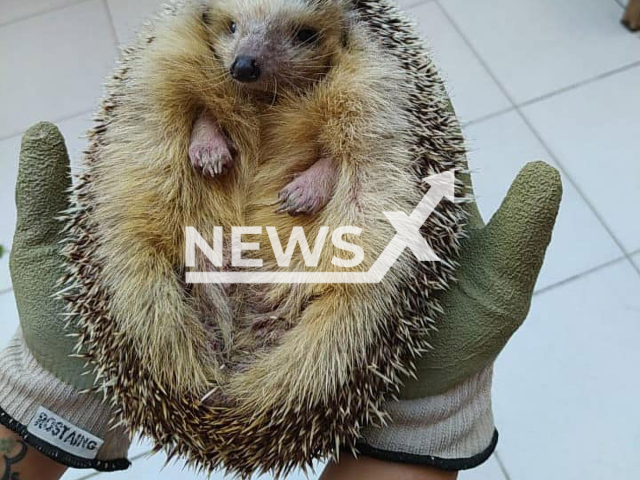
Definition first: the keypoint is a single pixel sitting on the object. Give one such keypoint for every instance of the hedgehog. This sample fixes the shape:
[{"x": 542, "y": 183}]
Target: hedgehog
[{"x": 279, "y": 113}]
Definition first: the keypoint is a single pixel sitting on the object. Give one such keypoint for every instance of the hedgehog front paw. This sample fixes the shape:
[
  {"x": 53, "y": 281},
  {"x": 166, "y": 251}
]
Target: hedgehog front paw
[
  {"x": 211, "y": 158},
  {"x": 299, "y": 198},
  {"x": 310, "y": 191},
  {"x": 209, "y": 149}
]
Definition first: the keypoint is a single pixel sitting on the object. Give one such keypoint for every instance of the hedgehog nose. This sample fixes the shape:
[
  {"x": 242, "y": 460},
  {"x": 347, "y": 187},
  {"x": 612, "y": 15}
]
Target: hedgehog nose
[{"x": 245, "y": 69}]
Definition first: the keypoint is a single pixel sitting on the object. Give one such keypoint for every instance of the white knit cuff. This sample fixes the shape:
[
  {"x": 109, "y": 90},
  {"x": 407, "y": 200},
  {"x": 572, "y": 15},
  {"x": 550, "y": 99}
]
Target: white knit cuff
[
  {"x": 451, "y": 431},
  {"x": 70, "y": 427}
]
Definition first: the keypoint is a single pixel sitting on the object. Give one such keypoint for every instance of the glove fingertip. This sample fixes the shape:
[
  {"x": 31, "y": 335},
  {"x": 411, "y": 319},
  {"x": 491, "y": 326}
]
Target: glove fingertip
[
  {"x": 42, "y": 185},
  {"x": 42, "y": 131},
  {"x": 520, "y": 231},
  {"x": 546, "y": 177},
  {"x": 531, "y": 205},
  {"x": 42, "y": 144}
]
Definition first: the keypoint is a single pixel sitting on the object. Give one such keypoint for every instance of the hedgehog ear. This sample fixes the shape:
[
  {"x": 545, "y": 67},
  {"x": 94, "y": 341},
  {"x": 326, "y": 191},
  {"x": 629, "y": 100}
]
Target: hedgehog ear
[
  {"x": 204, "y": 10},
  {"x": 347, "y": 29},
  {"x": 344, "y": 40}
]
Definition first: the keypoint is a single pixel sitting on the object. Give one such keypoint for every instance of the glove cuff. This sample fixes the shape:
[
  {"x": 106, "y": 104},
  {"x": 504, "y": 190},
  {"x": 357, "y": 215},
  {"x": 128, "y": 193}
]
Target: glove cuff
[
  {"x": 452, "y": 431},
  {"x": 70, "y": 427}
]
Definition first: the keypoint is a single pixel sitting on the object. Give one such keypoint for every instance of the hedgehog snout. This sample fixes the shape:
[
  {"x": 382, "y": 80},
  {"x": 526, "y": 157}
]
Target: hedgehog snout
[{"x": 245, "y": 69}]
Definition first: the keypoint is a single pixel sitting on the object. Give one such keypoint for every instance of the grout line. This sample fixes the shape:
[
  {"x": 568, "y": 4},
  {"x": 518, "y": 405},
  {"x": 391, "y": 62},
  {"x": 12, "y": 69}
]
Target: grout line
[
  {"x": 6, "y": 253},
  {"x": 553, "y": 93},
  {"x": 575, "y": 185},
  {"x": 132, "y": 459},
  {"x": 634, "y": 265},
  {"x": 535, "y": 132},
  {"x": 580, "y": 84},
  {"x": 91, "y": 475},
  {"x": 488, "y": 116},
  {"x": 107, "y": 9},
  {"x": 572, "y": 278},
  {"x": 141, "y": 455},
  {"x": 64, "y": 118},
  {"x": 502, "y": 467},
  {"x": 620, "y": 3},
  {"x": 483, "y": 63},
  {"x": 28, "y": 16},
  {"x": 413, "y": 4}
]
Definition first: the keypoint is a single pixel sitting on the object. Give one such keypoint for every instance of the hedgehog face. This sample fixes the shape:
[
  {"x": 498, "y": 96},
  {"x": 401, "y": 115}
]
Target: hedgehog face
[{"x": 271, "y": 45}]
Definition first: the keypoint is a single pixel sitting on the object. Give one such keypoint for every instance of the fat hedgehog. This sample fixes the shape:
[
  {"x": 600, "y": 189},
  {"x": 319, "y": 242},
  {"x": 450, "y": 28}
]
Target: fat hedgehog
[{"x": 282, "y": 113}]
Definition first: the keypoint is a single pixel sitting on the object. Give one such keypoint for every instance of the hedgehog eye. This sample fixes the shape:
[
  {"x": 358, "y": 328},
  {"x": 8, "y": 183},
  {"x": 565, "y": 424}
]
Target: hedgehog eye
[
  {"x": 306, "y": 35},
  {"x": 232, "y": 26}
]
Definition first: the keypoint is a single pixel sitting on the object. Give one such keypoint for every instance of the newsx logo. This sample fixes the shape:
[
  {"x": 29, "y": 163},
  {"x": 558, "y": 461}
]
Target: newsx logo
[{"x": 407, "y": 236}]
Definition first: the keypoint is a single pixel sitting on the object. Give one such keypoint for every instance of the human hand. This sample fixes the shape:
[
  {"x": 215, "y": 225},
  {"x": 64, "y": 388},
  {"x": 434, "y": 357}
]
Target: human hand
[
  {"x": 443, "y": 417},
  {"x": 41, "y": 382}
]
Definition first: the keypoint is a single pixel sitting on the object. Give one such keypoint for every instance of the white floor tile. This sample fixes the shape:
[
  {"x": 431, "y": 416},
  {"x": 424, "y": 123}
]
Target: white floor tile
[
  {"x": 5, "y": 277},
  {"x": 535, "y": 47},
  {"x": 636, "y": 259},
  {"x": 8, "y": 318},
  {"x": 9, "y": 151},
  {"x": 593, "y": 130},
  {"x": 13, "y": 10},
  {"x": 565, "y": 390},
  {"x": 500, "y": 147},
  {"x": 80, "y": 474},
  {"x": 54, "y": 65},
  {"x": 473, "y": 92},
  {"x": 128, "y": 16},
  {"x": 407, "y": 4},
  {"x": 74, "y": 131},
  {"x": 490, "y": 470},
  {"x": 140, "y": 446}
]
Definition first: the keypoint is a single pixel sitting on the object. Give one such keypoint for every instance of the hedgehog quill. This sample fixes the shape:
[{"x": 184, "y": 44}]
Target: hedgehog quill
[{"x": 283, "y": 113}]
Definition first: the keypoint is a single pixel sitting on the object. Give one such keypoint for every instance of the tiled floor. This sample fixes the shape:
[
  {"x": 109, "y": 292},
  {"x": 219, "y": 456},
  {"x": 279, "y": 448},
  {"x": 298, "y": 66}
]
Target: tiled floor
[{"x": 531, "y": 79}]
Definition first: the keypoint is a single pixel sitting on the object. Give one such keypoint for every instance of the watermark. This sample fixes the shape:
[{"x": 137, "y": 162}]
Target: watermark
[{"x": 407, "y": 236}]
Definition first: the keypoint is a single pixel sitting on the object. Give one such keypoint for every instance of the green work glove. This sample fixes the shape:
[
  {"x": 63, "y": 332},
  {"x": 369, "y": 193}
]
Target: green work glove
[
  {"x": 40, "y": 383},
  {"x": 444, "y": 417}
]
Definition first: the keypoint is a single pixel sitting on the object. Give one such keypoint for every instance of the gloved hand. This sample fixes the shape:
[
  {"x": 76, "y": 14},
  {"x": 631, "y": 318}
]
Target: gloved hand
[
  {"x": 40, "y": 383},
  {"x": 443, "y": 417}
]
